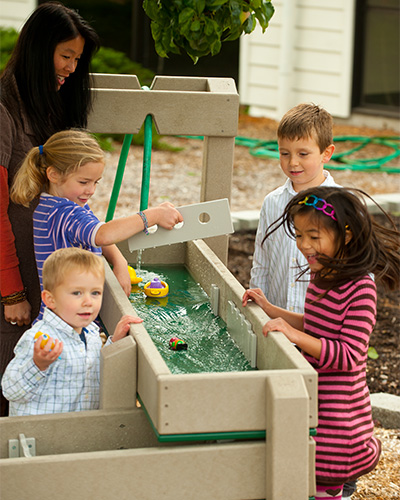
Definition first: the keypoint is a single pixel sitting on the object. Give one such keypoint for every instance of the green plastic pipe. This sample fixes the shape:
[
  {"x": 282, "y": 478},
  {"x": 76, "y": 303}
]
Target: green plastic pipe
[
  {"x": 144, "y": 194},
  {"x": 148, "y": 140},
  {"x": 118, "y": 176}
]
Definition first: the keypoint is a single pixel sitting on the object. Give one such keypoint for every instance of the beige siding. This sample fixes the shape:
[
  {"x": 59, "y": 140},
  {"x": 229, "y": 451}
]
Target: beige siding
[
  {"x": 13, "y": 13},
  {"x": 306, "y": 54}
]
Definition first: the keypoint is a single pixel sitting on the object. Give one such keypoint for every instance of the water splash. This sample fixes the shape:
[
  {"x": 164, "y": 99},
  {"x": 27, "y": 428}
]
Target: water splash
[{"x": 139, "y": 260}]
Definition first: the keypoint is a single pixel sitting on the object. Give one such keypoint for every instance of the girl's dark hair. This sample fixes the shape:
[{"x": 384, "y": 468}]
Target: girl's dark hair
[
  {"x": 32, "y": 64},
  {"x": 372, "y": 248}
]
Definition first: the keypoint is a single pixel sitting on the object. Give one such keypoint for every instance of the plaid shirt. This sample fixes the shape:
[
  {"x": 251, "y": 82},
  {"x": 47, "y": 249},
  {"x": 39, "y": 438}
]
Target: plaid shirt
[{"x": 71, "y": 383}]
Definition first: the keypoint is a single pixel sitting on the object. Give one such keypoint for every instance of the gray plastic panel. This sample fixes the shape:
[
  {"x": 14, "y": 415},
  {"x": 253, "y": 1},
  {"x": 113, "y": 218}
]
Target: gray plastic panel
[{"x": 217, "y": 221}]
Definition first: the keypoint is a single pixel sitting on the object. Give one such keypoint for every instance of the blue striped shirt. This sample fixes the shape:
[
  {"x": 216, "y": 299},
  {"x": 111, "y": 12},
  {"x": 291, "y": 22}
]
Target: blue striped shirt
[
  {"x": 60, "y": 223},
  {"x": 276, "y": 261},
  {"x": 71, "y": 383}
]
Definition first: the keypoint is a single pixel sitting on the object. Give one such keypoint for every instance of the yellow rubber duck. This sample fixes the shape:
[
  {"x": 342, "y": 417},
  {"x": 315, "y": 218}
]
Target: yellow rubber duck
[
  {"x": 134, "y": 279},
  {"x": 156, "y": 288}
]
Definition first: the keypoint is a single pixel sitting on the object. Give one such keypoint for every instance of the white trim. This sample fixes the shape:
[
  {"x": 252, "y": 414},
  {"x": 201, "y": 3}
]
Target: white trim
[{"x": 14, "y": 13}]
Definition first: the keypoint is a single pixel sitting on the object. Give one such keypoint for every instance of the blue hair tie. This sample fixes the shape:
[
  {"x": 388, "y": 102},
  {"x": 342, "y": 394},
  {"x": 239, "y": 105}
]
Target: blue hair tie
[{"x": 41, "y": 150}]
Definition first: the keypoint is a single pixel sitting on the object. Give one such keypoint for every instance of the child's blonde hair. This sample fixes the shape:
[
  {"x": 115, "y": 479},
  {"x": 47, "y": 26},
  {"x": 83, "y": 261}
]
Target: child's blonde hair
[
  {"x": 307, "y": 121},
  {"x": 65, "y": 151},
  {"x": 61, "y": 262}
]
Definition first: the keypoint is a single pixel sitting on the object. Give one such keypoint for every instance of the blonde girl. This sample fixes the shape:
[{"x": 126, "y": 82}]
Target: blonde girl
[{"x": 64, "y": 172}]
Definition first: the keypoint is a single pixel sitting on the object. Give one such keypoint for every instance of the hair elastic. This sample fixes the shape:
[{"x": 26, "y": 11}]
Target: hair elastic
[
  {"x": 41, "y": 150},
  {"x": 319, "y": 204}
]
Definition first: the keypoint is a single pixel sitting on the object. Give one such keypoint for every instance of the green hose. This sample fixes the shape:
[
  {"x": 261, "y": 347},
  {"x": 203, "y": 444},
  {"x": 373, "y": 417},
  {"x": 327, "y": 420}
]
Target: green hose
[
  {"x": 148, "y": 139},
  {"x": 269, "y": 149},
  {"x": 144, "y": 194},
  {"x": 369, "y": 163},
  {"x": 118, "y": 176}
]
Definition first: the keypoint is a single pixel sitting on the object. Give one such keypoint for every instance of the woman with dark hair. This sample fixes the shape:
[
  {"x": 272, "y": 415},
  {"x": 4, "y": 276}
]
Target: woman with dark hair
[{"x": 44, "y": 88}]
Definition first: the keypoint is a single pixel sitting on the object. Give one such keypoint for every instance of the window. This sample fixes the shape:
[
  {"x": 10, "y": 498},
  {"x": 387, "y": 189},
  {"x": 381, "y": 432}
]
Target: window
[{"x": 376, "y": 57}]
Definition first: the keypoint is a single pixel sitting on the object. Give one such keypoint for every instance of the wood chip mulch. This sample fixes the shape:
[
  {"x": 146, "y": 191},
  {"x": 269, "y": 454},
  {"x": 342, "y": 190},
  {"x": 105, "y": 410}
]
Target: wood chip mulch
[{"x": 383, "y": 483}]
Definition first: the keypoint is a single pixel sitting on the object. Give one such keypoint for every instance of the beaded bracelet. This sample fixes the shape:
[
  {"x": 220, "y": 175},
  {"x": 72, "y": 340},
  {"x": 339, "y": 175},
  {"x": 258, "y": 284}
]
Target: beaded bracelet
[
  {"x": 145, "y": 223},
  {"x": 14, "y": 298}
]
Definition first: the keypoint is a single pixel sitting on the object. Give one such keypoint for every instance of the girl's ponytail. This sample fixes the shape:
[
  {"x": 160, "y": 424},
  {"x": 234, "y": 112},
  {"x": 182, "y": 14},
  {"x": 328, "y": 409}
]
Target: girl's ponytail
[
  {"x": 31, "y": 179},
  {"x": 64, "y": 151}
]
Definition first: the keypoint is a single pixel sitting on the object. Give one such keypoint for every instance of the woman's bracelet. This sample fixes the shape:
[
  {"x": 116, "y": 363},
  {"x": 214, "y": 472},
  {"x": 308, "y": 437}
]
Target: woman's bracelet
[
  {"x": 145, "y": 223},
  {"x": 14, "y": 298}
]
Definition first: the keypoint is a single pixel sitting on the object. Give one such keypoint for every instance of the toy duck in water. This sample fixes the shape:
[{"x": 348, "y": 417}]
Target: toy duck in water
[
  {"x": 156, "y": 288},
  {"x": 134, "y": 279}
]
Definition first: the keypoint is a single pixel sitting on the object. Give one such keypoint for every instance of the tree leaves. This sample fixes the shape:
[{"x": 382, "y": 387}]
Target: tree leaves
[{"x": 198, "y": 27}]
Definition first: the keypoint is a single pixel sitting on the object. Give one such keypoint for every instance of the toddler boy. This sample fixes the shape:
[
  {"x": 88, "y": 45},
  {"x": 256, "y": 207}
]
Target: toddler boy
[{"x": 64, "y": 374}]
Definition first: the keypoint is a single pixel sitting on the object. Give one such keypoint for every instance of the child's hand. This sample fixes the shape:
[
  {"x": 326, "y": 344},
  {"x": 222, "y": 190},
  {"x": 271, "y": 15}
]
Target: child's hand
[
  {"x": 256, "y": 295},
  {"x": 122, "y": 328},
  {"x": 44, "y": 357},
  {"x": 122, "y": 275},
  {"x": 280, "y": 325},
  {"x": 168, "y": 216}
]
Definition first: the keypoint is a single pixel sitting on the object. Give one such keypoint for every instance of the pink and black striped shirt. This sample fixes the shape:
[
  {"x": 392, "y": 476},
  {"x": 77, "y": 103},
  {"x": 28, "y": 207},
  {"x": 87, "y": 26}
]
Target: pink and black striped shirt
[{"x": 343, "y": 320}]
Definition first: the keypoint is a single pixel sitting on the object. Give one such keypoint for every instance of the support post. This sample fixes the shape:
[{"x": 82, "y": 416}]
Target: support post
[
  {"x": 118, "y": 375},
  {"x": 217, "y": 182},
  {"x": 287, "y": 443}
]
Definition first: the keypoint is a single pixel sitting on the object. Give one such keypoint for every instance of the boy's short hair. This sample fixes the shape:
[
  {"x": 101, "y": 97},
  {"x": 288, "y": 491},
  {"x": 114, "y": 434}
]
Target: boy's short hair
[
  {"x": 59, "y": 263},
  {"x": 307, "y": 120}
]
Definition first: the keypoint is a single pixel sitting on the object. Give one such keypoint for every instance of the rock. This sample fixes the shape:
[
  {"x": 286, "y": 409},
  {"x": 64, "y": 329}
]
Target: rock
[{"x": 386, "y": 410}]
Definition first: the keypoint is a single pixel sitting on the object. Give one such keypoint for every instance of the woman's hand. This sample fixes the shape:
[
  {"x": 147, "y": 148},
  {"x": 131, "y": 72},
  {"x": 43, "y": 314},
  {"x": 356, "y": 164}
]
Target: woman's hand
[
  {"x": 44, "y": 357},
  {"x": 19, "y": 314},
  {"x": 122, "y": 328}
]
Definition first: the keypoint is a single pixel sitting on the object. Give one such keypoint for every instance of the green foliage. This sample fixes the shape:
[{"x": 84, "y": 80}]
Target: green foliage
[
  {"x": 198, "y": 27},
  {"x": 157, "y": 142},
  {"x": 108, "y": 60},
  {"x": 372, "y": 354},
  {"x": 8, "y": 38},
  {"x": 106, "y": 141}
]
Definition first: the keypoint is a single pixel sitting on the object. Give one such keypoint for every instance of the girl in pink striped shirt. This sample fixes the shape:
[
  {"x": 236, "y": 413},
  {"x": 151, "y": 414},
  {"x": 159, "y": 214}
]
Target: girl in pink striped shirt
[{"x": 343, "y": 246}]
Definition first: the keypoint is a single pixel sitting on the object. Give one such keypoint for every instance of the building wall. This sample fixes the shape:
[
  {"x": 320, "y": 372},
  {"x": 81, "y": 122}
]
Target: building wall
[
  {"x": 305, "y": 55},
  {"x": 13, "y": 13}
]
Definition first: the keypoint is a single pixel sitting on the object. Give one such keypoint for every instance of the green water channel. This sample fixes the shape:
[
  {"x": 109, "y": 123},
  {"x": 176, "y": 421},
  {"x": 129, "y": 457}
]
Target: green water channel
[{"x": 186, "y": 313}]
